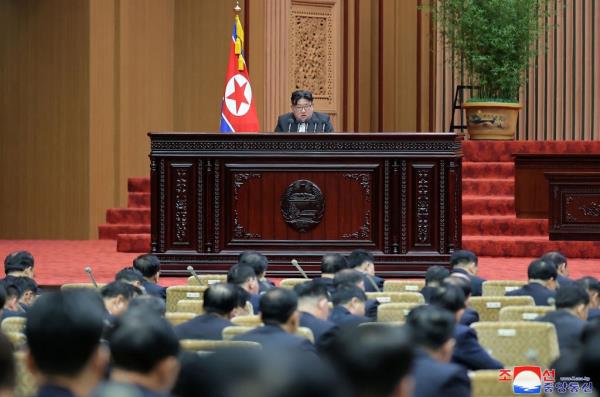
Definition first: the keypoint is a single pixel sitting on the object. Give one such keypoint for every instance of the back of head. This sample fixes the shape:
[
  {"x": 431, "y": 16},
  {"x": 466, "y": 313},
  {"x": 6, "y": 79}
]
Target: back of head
[
  {"x": 449, "y": 297},
  {"x": 358, "y": 257},
  {"x": 129, "y": 275},
  {"x": 7, "y": 365},
  {"x": 555, "y": 258},
  {"x": 26, "y": 284},
  {"x": 18, "y": 261},
  {"x": 346, "y": 293},
  {"x": 63, "y": 330},
  {"x": 591, "y": 284},
  {"x": 221, "y": 299},
  {"x": 571, "y": 296},
  {"x": 333, "y": 263},
  {"x": 116, "y": 288},
  {"x": 347, "y": 277},
  {"x": 541, "y": 270},
  {"x": 149, "y": 303},
  {"x": 255, "y": 260},
  {"x": 435, "y": 275},
  {"x": 462, "y": 258},
  {"x": 278, "y": 305},
  {"x": 430, "y": 326},
  {"x": 311, "y": 290},
  {"x": 238, "y": 274},
  {"x": 147, "y": 264},
  {"x": 459, "y": 282}
]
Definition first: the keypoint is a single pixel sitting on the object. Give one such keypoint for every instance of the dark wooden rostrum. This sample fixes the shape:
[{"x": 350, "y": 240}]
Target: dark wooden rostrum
[{"x": 298, "y": 196}]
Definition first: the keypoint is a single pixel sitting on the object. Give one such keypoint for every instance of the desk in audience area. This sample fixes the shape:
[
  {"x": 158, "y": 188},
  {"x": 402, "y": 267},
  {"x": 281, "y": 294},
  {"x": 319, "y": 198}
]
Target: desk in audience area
[{"x": 297, "y": 196}]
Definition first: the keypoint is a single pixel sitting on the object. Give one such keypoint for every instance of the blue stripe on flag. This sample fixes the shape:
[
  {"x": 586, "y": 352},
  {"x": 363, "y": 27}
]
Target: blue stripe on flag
[{"x": 225, "y": 125}]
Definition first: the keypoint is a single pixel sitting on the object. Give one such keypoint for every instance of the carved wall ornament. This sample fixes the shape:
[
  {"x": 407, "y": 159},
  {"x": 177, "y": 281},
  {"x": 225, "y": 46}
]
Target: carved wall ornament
[
  {"x": 200, "y": 204},
  {"x": 423, "y": 205},
  {"x": 363, "y": 232},
  {"x": 239, "y": 180},
  {"x": 239, "y": 231},
  {"x": 593, "y": 209},
  {"x": 181, "y": 204},
  {"x": 365, "y": 182},
  {"x": 302, "y": 205}
]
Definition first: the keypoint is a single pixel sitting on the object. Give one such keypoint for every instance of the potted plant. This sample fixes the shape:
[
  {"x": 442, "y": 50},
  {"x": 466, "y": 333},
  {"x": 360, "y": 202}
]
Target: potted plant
[{"x": 494, "y": 40}]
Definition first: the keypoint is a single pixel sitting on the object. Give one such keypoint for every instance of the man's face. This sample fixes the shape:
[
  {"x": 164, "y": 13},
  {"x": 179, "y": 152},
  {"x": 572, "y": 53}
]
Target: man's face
[
  {"x": 303, "y": 110},
  {"x": 251, "y": 285}
]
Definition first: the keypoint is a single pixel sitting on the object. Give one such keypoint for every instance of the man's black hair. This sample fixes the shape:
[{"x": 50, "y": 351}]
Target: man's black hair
[
  {"x": 554, "y": 257},
  {"x": 449, "y": 297},
  {"x": 311, "y": 289},
  {"x": 430, "y": 326},
  {"x": 436, "y": 274},
  {"x": 220, "y": 299},
  {"x": 255, "y": 260},
  {"x": 243, "y": 296},
  {"x": 589, "y": 283},
  {"x": 130, "y": 275},
  {"x": 147, "y": 264},
  {"x": 570, "y": 296},
  {"x": 148, "y": 303},
  {"x": 239, "y": 273},
  {"x": 63, "y": 330},
  {"x": 8, "y": 373},
  {"x": 278, "y": 305},
  {"x": 462, "y": 257},
  {"x": 333, "y": 263},
  {"x": 2, "y": 296},
  {"x": 347, "y": 277},
  {"x": 541, "y": 270},
  {"x": 301, "y": 94},
  {"x": 358, "y": 257},
  {"x": 18, "y": 261},
  {"x": 344, "y": 294},
  {"x": 117, "y": 288},
  {"x": 25, "y": 284},
  {"x": 12, "y": 291},
  {"x": 460, "y": 282},
  {"x": 141, "y": 340}
]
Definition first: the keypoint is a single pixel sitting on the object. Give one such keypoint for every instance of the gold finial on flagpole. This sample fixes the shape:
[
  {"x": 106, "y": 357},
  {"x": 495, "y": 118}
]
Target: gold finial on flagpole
[{"x": 237, "y": 7}]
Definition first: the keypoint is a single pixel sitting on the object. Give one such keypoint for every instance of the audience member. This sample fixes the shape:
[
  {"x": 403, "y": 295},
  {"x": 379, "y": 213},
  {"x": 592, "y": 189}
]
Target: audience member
[
  {"x": 348, "y": 306},
  {"x": 351, "y": 277},
  {"x": 18, "y": 264},
  {"x": 313, "y": 304},
  {"x": 542, "y": 283},
  {"x": 2, "y": 300},
  {"x": 28, "y": 290},
  {"x": 464, "y": 264},
  {"x": 7, "y": 367},
  {"x": 433, "y": 279},
  {"x": 117, "y": 296},
  {"x": 469, "y": 315},
  {"x": 330, "y": 265},
  {"x": 364, "y": 262},
  {"x": 63, "y": 335},
  {"x": 149, "y": 303},
  {"x": 592, "y": 286},
  {"x": 432, "y": 329},
  {"x": 589, "y": 361},
  {"x": 131, "y": 276},
  {"x": 259, "y": 263},
  {"x": 149, "y": 266},
  {"x": 12, "y": 307},
  {"x": 560, "y": 262},
  {"x": 244, "y": 276}
]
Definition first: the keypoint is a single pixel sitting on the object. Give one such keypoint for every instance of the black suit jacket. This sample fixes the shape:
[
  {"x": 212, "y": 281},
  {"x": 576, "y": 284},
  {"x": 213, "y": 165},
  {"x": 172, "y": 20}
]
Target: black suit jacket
[
  {"x": 469, "y": 317},
  {"x": 205, "y": 326},
  {"x": 435, "y": 379},
  {"x": 274, "y": 337},
  {"x": 541, "y": 295},
  {"x": 328, "y": 282},
  {"x": 319, "y": 122},
  {"x": 469, "y": 353},
  {"x": 568, "y": 329},
  {"x": 155, "y": 290},
  {"x": 476, "y": 282},
  {"x": 593, "y": 313},
  {"x": 343, "y": 318},
  {"x": 378, "y": 281},
  {"x": 324, "y": 331}
]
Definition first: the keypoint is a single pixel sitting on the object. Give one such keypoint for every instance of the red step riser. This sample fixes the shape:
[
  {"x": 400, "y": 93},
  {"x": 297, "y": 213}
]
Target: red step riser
[
  {"x": 488, "y": 170},
  {"x": 110, "y": 232},
  {"x": 490, "y": 187},
  {"x": 138, "y": 200},
  {"x": 133, "y": 243},
  {"x": 531, "y": 248},
  {"x": 494, "y": 206},
  {"x": 511, "y": 227},
  {"x": 138, "y": 184},
  {"x": 129, "y": 216}
]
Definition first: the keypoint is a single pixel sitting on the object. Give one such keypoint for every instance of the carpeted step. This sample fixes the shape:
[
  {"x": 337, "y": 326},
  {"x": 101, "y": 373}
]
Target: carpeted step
[
  {"x": 529, "y": 246},
  {"x": 110, "y": 231},
  {"x": 138, "y": 184},
  {"x": 488, "y": 186},
  {"x": 486, "y": 151},
  {"x": 133, "y": 242},
  {"x": 128, "y": 216},
  {"x": 503, "y": 225},
  {"x": 138, "y": 200},
  {"x": 488, "y": 205},
  {"x": 492, "y": 169}
]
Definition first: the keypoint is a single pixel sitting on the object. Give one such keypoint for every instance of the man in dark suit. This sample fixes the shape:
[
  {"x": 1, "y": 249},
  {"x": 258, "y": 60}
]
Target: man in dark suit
[
  {"x": 149, "y": 266},
  {"x": 364, "y": 262},
  {"x": 313, "y": 304},
  {"x": 302, "y": 118},
  {"x": 348, "y": 306},
  {"x": 330, "y": 265},
  {"x": 570, "y": 316},
  {"x": 469, "y": 315},
  {"x": 278, "y": 310},
  {"x": 433, "y": 279},
  {"x": 220, "y": 301},
  {"x": 18, "y": 264},
  {"x": 464, "y": 264},
  {"x": 542, "y": 283},
  {"x": 259, "y": 263},
  {"x": 244, "y": 277},
  {"x": 592, "y": 286},
  {"x": 353, "y": 278},
  {"x": 560, "y": 262},
  {"x": 432, "y": 329}
]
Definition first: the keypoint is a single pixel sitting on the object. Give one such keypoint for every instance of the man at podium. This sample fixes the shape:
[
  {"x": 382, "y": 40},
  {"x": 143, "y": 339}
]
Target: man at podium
[{"x": 302, "y": 118}]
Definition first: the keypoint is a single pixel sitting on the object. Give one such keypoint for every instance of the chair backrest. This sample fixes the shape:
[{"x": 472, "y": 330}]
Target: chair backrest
[
  {"x": 247, "y": 321},
  {"x": 524, "y": 313},
  {"x": 13, "y": 324},
  {"x": 207, "y": 279},
  {"x": 489, "y": 307},
  {"x": 397, "y": 297},
  {"x": 500, "y": 287},
  {"x": 176, "y": 318},
  {"x": 519, "y": 342},
  {"x": 190, "y": 306},
  {"x": 204, "y": 345},
  {"x": 18, "y": 339},
  {"x": 26, "y": 383},
  {"x": 80, "y": 285},
  {"x": 179, "y": 292},
  {"x": 307, "y": 333},
  {"x": 391, "y": 312},
  {"x": 403, "y": 285},
  {"x": 485, "y": 383},
  {"x": 290, "y": 283},
  {"x": 231, "y": 332}
]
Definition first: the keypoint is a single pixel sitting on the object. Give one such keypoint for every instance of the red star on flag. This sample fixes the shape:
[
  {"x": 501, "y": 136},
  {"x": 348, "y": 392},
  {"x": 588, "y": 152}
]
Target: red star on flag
[{"x": 238, "y": 95}]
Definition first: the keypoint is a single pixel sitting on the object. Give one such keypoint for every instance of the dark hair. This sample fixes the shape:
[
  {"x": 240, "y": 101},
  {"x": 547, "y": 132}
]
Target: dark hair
[
  {"x": 238, "y": 274},
  {"x": 25, "y": 284},
  {"x": 148, "y": 303},
  {"x": 255, "y": 260},
  {"x": 541, "y": 270},
  {"x": 130, "y": 275},
  {"x": 333, "y": 263},
  {"x": 449, "y": 297},
  {"x": 344, "y": 294},
  {"x": 347, "y": 277},
  {"x": 462, "y": 258},
  {"x": 220, "y": 298},
  {"x": 277, "y": 305},
  {"x": 569, "y": 296},
  {"x": 301, "y": 94},
  {"x": 554, "y": 257},
  {"x": 460, "y": 282},
  {"x": 117, "y": 288},
  {"x": 147, "y": 264},
  {"x": 8, "y": 373},
  {"x": 18, "y": 261},
  {"x": 311, "y": 289},
  {"x": 358, "y": 257},
  {"x": 2, "y": 295},
  {"x": 11, "y": 289},
  {"x": 430, "y": 326},
  {"x": 141, "y": 340},
  {"x": 243, "y": 296},
  {"x": 63, "y": 330},
  {"x": 436, "y": 274},
  {"x": 589, "y": 283},
  {"x": 590, "y": 359}
]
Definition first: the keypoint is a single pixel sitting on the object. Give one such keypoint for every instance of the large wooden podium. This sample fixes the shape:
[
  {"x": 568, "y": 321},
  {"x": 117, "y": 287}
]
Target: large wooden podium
[{"x": 298, "y": 196}]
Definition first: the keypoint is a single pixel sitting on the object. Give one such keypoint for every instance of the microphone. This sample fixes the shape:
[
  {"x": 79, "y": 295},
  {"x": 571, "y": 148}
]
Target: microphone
[
  {"x": 372, "y": 282},
  {"x": 297, "y": 266},
  {"x": 88, "y": 270},
  {"x": 315, "y": 129},
  {"x": 323, "y": 127},
  {"x": 193, "y": 273},
  {"x": 290, "y": 127}
]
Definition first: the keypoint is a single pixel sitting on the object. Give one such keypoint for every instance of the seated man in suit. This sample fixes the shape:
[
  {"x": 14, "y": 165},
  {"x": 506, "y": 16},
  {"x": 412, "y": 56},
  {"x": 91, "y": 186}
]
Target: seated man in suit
[
  {"x": 348, "y": 306},
  {"x": 330, "y": 265},
  {"x": 592, "y": 286},
  {"x": 302, "y": 118},
  {"x": 244, "y": 276},
  {"x": 313, "y": 304},
  {"x": 352, "y": 278},
  {"x": 131, "y": 276},
  {"x": 432, "y": 329},
  {"x": 469, "y": 315},
  {"x": 542, "y": 283},
  {"x": 467, "y": 350},
  {"x": 570, "y": 316},
  {"x": 279, "y": 313},
  {"x": 259, "y": 263},
  {"x": 433, "y": 279},
  {"x": 364, "y": 262},
  {"x": 116, "y": 297},
  {"x": 464, "y": 264},
  {"x": 149, "y": 266},
  {"x": 18, "y": 264},
  {"x": 560, "y": 262},
  {"x": 220, "y": 302}
]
